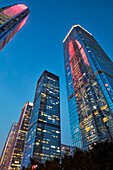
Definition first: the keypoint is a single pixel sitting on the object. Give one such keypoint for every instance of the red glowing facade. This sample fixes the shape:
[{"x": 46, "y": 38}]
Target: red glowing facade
[
  {"x": 89, "y": 78},
  {"x": 12, "y": 20},
  {"x": 14, "y": 10}
]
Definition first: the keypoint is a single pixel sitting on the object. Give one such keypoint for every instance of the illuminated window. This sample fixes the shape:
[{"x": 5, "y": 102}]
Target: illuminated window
[{"x": 105, "y": 119}]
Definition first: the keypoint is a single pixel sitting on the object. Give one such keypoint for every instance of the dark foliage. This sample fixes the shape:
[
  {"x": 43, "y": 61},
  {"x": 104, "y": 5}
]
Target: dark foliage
[{"x": 99, "y": 157}]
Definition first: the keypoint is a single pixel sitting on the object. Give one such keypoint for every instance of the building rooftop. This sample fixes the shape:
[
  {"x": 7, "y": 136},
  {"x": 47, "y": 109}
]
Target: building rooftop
[{"x": 74, "y": 26}]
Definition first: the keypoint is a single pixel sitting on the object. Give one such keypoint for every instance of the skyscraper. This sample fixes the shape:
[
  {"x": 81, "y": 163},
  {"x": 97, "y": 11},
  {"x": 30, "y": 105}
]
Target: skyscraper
[
  {"x": 22, "y": 129},
  {"x": 43, "y": 139},
  {"x": 12, "y": 18},
  {"x": 8, "y": 147},
  {"x": 89, "y": 78}
]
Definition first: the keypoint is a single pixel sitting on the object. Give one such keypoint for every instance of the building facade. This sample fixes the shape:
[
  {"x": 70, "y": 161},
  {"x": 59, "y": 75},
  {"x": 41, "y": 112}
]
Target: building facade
[
  {"x": 89, "y": 78},
  {"x": 43, "y": 139},
  {"x": 8, "y": 147},
  {"x": 22, "y": 129},
  {"x": 12, "y": 19}
]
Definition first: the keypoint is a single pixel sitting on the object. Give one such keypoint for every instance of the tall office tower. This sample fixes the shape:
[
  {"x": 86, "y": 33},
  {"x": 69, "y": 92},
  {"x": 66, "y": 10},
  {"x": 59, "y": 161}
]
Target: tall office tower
[
  {"x": 89, "y": 77},
  {"x": 21, "y": 131},
  {"x": 12, "y": 19},
  {"x": 43, "y": 139},
  {"x": 8, "y": 147}
]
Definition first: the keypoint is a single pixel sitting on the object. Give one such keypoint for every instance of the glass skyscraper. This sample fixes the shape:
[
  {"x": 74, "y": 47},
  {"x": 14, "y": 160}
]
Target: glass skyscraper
[
  {"x": 89, "y": 78},
  {"x": 21, "y": 130},
  {"x": 12, "y": 18},
  {"x": 8, "y": 147},
  {"x": 43, "y": 140}
]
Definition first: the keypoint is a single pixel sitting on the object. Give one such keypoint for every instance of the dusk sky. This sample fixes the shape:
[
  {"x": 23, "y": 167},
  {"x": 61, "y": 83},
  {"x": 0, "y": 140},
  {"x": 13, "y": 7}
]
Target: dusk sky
[{"x": 38, "y": 46}]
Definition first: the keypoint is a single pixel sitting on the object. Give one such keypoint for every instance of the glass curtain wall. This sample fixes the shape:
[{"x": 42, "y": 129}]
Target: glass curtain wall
[{"x": 89, "y": 78}]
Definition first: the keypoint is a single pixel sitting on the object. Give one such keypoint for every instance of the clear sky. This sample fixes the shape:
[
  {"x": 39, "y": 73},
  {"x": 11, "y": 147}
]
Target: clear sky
[{"x": 38, "y": 46}]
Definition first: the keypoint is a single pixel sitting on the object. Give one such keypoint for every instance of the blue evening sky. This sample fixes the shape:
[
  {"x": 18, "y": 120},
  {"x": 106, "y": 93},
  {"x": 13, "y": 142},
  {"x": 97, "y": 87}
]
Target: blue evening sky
[{"x": 38, "y": 46}]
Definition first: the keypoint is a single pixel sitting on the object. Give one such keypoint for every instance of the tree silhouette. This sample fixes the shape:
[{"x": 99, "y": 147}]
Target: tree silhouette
[{"x": 99, "y": 157}]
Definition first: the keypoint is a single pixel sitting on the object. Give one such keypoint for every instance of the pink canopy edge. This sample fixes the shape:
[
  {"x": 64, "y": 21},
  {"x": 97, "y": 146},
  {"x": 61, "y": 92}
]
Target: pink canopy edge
[{"x": 14, "y": 10}]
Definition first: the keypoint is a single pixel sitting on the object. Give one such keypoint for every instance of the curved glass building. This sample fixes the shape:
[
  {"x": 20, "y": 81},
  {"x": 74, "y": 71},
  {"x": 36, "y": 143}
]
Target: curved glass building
[
  {"x": 89, "y": 78},
  {"x": 12, "y": 19}
]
